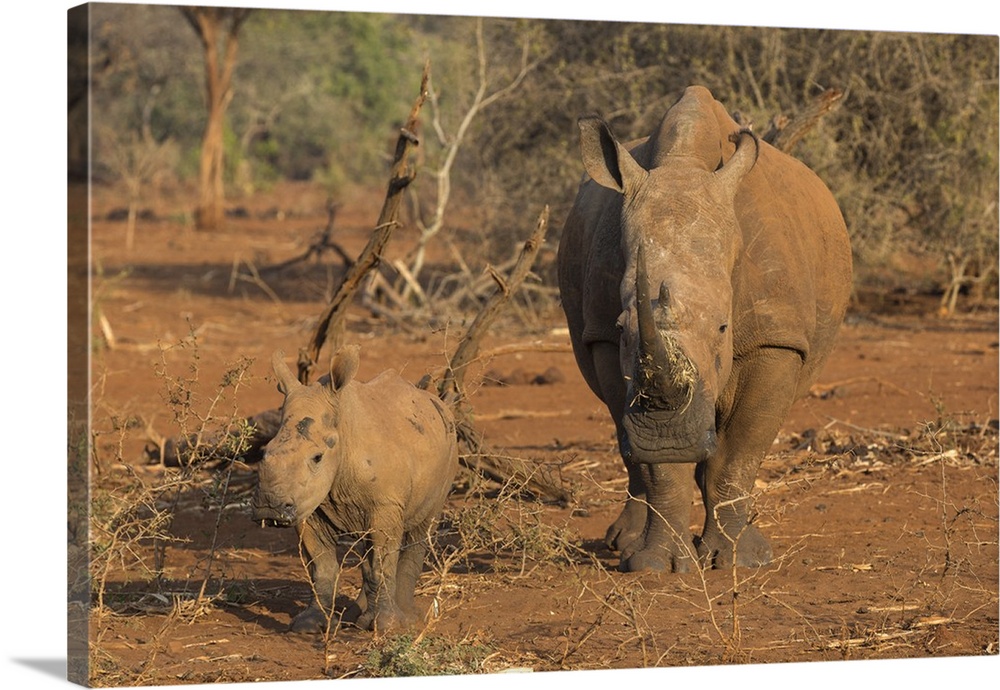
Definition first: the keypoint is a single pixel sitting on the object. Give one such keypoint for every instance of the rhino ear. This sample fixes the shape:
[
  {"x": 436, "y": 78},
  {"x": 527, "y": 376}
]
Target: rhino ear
[
  {"x": 606, "y": 160},
  {"x": 286, "y": 381},
  {"x": 343, "y": 366}
]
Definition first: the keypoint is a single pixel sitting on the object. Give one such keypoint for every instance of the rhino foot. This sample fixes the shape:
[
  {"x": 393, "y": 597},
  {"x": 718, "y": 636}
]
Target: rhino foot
[
  {"x": 656, "y": 557},
  {"x": 352, "y": 612},
  {"x": 628, "y": 527},
  {"x": 312, "y": 620},
  {"x": 386, "y": 619},
  {"x": 751, "y": 550}
]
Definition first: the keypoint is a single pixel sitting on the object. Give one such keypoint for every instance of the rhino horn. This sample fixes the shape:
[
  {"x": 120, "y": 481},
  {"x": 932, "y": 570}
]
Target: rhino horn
[
  {"x": 741, "y": 162},
  {"x": 650, "y": 343},
  {"x": 286, "y": 381},
  {"x": 659, "y": 375}
]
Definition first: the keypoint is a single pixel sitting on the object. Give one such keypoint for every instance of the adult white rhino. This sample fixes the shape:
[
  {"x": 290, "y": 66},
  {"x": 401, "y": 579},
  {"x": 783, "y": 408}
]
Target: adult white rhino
[{"x": 704, "y": 275}]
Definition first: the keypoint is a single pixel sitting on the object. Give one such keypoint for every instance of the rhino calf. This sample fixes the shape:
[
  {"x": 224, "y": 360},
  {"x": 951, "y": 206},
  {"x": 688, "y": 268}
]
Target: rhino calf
[{"x": 375, "y": 459}]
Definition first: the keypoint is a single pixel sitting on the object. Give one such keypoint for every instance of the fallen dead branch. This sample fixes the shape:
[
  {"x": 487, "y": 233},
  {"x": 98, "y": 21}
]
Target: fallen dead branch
[
  {"x": 254, "y": 278},
  {"x": 825, "y": 390},
  {"x": 318, "y": 247},
  {"x": 853, "y": 567},
  {"x": 867, "y": 431},
  {"x": 536, "y": 346},
  {"x": 176, "y": 452},
  {"x": 867, "y": 486},
  {"x": 397, "y": 296},
  {"x": 521, "y": 414},
  {"x": 919, "y": 627}
]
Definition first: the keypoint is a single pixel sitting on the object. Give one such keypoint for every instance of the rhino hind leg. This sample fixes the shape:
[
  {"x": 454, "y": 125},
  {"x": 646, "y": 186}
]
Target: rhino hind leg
[
  {"x": 763, "y": 396},
  {"x": 411, "y": 564},
  {"x": 379, "y": 570}
]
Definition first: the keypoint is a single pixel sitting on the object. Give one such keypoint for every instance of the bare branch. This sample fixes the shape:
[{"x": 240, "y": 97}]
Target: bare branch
[
  {"x": 330, "y": 325},
  {"x": 452, "y": 387},
  {"x": 429, "y": 228}
]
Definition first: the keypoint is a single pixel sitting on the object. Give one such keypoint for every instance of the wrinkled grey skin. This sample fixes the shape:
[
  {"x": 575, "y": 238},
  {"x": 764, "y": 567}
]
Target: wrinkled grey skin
[
  {"x": 372, "y": 459},
  {"x": 704, "y": 275}
]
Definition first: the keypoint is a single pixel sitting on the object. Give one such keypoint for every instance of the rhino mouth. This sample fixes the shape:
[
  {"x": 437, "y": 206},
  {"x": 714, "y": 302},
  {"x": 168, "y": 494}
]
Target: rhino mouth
[
  {"x": 269, "y": 516},
  {"x": 668, "y": 448},
  {"x": 664, "y": 435},
  {"x": 274, "y": 522}
]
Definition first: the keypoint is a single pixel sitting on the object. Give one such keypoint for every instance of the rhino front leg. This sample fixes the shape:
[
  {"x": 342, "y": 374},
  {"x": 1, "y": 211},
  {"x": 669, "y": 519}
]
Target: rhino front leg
[
  {"x": 319, "y": 550},
  {"x": 665, "y": 542},
  {"x": 612, "y": 390},
  {"x": 749, "y": 423},
  {"x": 628, "y": 526}
]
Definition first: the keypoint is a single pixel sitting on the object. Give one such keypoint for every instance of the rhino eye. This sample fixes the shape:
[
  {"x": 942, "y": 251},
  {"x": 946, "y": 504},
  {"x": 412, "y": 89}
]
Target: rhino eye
[
  {"x": 723, "y": 327},
  {"x": 317, "y": 459}
]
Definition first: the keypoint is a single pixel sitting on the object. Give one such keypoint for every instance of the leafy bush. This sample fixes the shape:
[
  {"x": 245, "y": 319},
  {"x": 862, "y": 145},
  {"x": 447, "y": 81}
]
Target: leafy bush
[{"x": 405, "y": 655}]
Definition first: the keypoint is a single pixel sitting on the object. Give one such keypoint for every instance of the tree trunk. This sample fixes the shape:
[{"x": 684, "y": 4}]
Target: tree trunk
[{"x": 207, "y": 23}]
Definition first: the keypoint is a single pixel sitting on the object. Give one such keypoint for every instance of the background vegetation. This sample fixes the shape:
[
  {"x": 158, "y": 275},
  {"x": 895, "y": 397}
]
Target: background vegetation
[{"x": 910, "y": 153}]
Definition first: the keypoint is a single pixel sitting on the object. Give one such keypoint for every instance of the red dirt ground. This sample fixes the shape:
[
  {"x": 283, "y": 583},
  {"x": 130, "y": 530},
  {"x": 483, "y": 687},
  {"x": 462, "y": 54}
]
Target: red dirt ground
[{"x": 879, "y": 498}]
